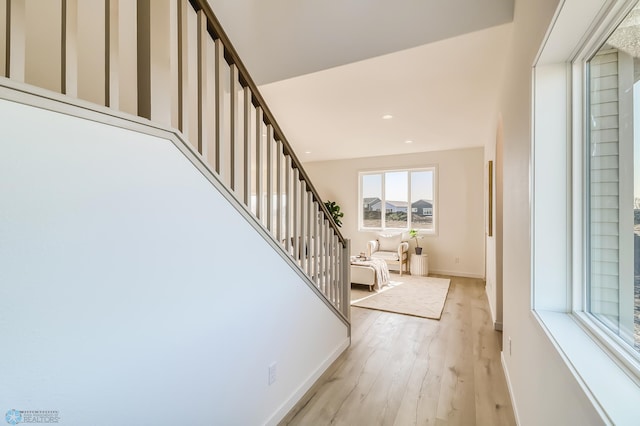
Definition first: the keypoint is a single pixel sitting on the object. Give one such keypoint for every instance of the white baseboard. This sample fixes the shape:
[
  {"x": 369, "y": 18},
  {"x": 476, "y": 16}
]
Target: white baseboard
[
  {"x": 456, "y": 273},
  {"x": 506, "y": 376},
  {"x": 306, "y": 385}
]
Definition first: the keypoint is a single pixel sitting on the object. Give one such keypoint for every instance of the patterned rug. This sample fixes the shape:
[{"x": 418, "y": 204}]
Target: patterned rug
[{"x": 418, "y": 296}]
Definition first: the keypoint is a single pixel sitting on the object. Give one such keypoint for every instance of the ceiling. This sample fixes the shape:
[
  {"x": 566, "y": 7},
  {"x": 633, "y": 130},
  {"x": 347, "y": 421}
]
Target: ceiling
[{"x": 331, "y": 69}]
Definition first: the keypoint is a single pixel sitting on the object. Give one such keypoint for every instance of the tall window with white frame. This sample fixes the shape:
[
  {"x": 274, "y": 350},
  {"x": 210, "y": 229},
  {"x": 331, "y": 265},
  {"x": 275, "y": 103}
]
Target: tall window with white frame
[
  {"x": 398, "y": 200},
  {"x": 613, "y": 181}
]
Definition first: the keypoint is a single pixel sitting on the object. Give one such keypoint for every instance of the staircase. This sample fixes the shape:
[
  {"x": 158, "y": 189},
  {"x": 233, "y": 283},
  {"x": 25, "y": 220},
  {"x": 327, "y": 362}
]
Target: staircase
[
  {"x": 166, "y": 68},
  {"x": 174, "y": 65}
]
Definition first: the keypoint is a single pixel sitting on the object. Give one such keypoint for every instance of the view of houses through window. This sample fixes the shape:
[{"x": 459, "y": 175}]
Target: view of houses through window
[{"x": 398, "y": 199}]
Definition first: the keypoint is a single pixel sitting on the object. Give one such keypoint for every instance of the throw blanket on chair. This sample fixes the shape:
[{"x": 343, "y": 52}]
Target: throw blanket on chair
[{"x": 381, "y": 268}]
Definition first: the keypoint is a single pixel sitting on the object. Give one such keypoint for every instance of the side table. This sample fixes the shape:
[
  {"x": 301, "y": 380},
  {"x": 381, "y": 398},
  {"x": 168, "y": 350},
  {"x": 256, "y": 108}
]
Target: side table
[{"x": 420, "y": 264}]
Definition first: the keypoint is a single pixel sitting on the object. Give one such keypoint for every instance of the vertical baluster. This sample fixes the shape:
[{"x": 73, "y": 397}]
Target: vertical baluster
[
  {"x": 171, "y": 28},
  {"x": 336, "y": 270},
  {"x": 278, "y": 217},
  {"x": 309, "y": 238},
  {"x": 344, "y": 277},
  {"x": 219, "y": 85},
  {"x": 318, "y": 237},
  {"x": 195, "y": 66},
  {"x": 203, "y": 84},
  {"x": 338, "y": 273},
  {"x": 196, "y": 69},
  {"x": 341, "y": 281},
  {"x": 323, "y": 254},
  {"x": 225, "y": 141},
  {"x": 346, "y": 280},
  {"x": 323, "y": 259},
  {"x": 332, "y": 277},
  {"x": 303, "y": 226},
  {"x": 209, "y": 116},
  {"x": 329, "y": 261},
  {"x": 312, "y": 241},
  {"x": 69, "y": 61},
  {"x": 15, "y": 53},
  {"x": 269, "y": 189},
  {"x": 288, "y": 197},
  {"x": 285, "y": 199},
  {"x": 253, "y": 166},
  {"x": 300, "y": 219},
  {"x": 112, "y": 54},
  {"x": 239, "y": 148},
  {"x": 259, "y": 171},
  {"x": 330, "y": 264},
  {"x": 247, "y": 147},
  {"x": 233, "y": 118},
  {"x": 327, "y": 258},
  {"x": 318, "y": 225},
  {"x": 294, "y": 214},
  {"x": 4, "y": 36}
]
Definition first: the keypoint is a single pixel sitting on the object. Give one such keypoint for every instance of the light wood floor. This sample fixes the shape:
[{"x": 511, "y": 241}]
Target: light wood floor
[{"x": 403, "y": 370}]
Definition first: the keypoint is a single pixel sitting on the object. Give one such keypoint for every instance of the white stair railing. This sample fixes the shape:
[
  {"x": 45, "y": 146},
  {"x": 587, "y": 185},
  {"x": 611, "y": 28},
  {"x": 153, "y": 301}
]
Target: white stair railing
[{"x": 170, "y": 61}]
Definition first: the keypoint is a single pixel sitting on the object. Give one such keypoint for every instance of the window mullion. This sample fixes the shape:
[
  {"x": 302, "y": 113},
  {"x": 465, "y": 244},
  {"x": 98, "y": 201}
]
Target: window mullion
[
  {"x": 409, "y": 200},
  {"x": 579, "y": 192},
  {"x": 383, "y": 205}
]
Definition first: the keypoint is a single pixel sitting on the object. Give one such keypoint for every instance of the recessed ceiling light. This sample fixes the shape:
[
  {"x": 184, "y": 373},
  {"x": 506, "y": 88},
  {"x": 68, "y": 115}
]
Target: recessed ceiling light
[
  {"x": 387, "y": 117},
  {"x": 407, "y": 141},
  {"x": 307, "y": 152}
]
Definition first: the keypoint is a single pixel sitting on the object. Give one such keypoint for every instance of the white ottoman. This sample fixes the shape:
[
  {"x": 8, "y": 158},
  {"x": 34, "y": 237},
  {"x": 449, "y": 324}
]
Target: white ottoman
[{"x": 363, "y": 274}]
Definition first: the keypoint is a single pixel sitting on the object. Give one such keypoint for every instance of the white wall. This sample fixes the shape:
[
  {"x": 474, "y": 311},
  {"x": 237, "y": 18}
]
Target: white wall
[
  {"x": 544, "y": 390},
  {"x": 460, "y": 204},
  {"x": 493, "y": 279},
  {"x": 132, "y": 291}
]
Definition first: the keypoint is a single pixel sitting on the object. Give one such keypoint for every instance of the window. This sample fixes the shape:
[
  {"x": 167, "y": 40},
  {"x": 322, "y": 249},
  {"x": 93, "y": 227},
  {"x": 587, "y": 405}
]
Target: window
[
  {"x": 612, "y": 149},
  {"x": 398, "y": 199},
  {"x": 577, "y": 171}
]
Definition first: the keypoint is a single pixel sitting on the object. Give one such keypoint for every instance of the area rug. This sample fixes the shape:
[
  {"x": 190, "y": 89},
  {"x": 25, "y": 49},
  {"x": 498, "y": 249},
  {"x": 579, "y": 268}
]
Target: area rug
[{"x": 420, "y": 297}]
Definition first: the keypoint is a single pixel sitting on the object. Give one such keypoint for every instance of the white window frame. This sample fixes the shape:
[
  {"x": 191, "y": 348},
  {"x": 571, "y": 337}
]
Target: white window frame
[
  {"x": 383, "y": 228},
  {"x": 558, "y": 225},
  {"x": 620, "y": 351}
]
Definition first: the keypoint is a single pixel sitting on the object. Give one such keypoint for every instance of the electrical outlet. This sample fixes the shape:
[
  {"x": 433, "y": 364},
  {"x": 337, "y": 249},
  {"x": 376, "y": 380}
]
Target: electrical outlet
[
  {"x": 457, "y": 260},
  {"x": 272, "y": 373}
]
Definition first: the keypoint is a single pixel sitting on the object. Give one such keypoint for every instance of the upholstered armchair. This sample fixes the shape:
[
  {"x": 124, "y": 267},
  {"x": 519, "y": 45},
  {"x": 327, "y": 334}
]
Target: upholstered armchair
[{"x": 390, "y": 248}]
